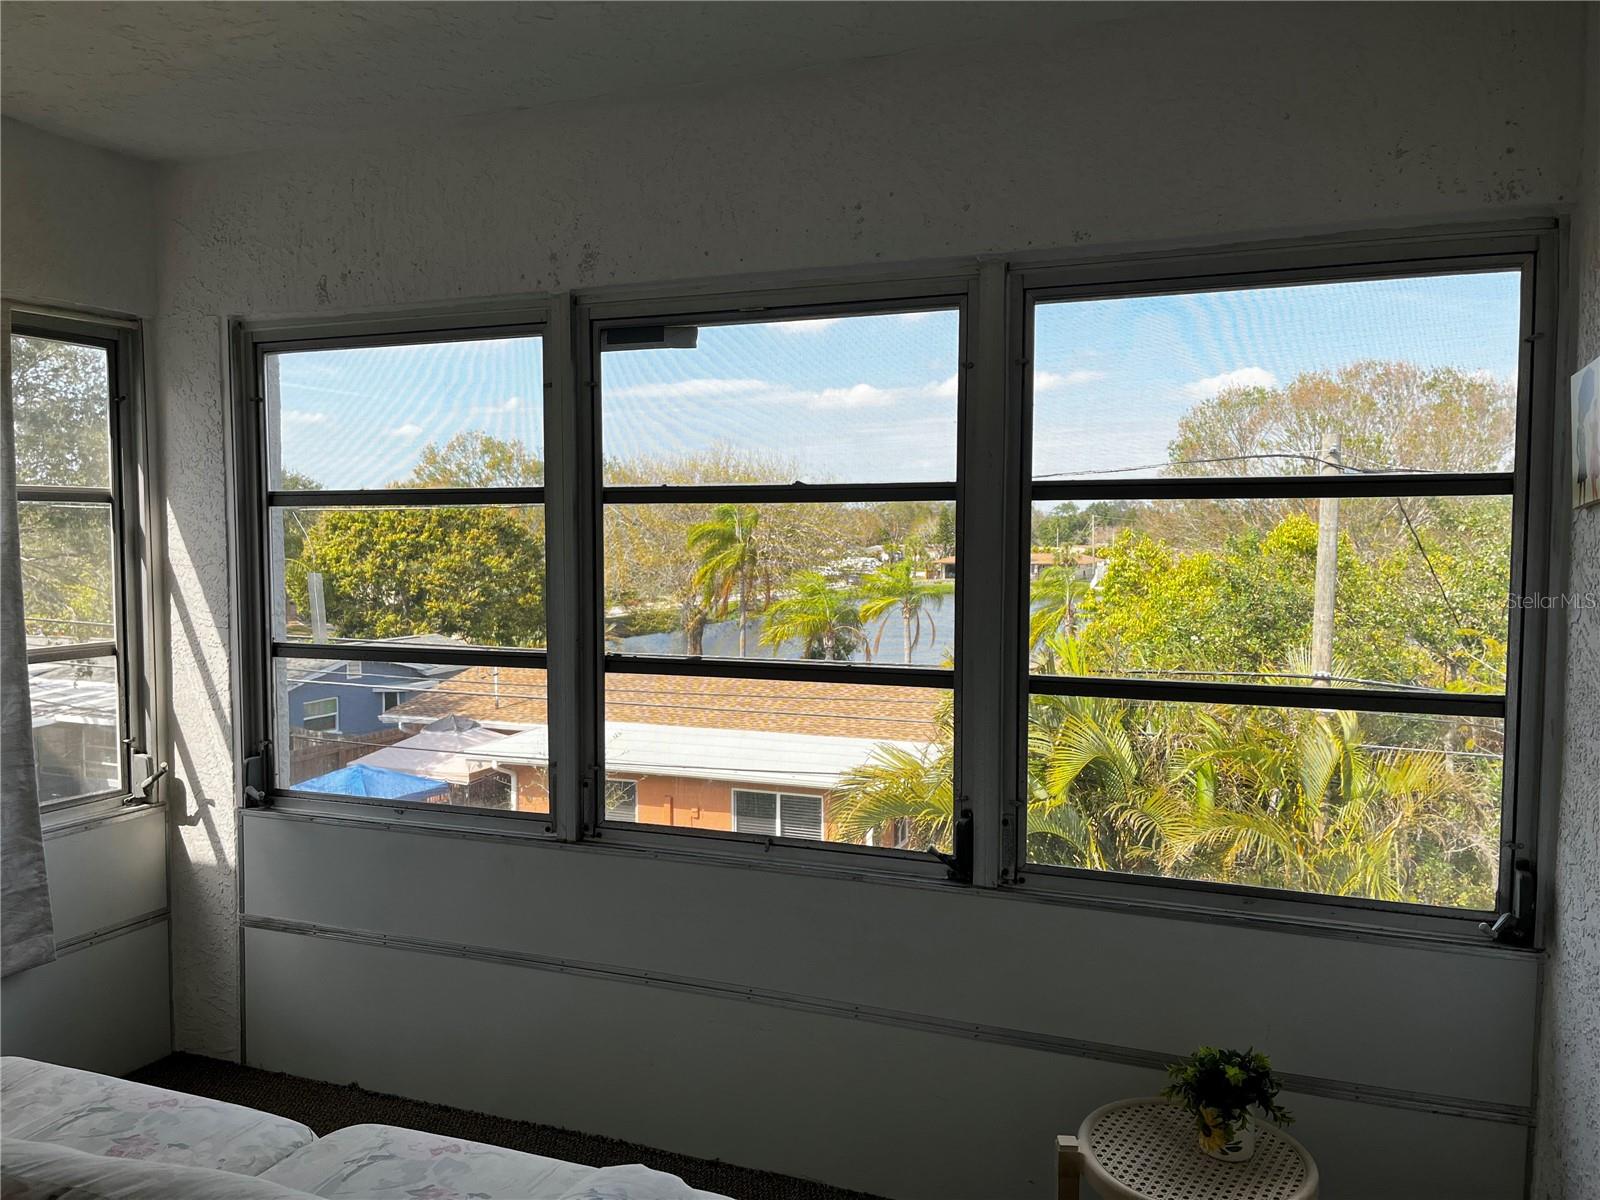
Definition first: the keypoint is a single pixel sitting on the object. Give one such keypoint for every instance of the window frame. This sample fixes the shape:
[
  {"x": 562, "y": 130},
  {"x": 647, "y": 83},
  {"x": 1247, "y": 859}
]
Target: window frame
[
  {"x": 990, "y": 681},
  {"x": 252, "y": 498},
  {"x": 779, "y": 796},
  {"x": 1529, "y": 484},
  {"x": 901, "y": 293},
  {"x": 320, "y": 716},
  {"x": 127, "y": 498}
]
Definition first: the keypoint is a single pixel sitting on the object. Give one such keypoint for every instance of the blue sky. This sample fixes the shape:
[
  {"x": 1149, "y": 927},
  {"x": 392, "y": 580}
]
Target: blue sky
[{"x": 874, "y": 397}]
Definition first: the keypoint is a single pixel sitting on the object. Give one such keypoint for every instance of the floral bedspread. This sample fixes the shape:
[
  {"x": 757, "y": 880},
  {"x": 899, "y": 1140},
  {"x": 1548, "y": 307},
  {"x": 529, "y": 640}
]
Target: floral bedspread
[
  {"x": 381, "y": 1162},
  {"x": 103, "y": 1115}
]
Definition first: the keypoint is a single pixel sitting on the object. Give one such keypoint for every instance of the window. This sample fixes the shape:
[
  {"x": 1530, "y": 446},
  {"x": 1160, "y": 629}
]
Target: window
[
  {"x": 321, "y": 716},
  {"x": 622, "y": 800},
  {"x": 404, "y": 545},
  {"x": 1272, "y": 541},
  {"x": 76, "y": 445},
  {"x": 1206, "y": 576},
  {"x": 777, "y": 538},
  {"x": 778, "y": 814}
]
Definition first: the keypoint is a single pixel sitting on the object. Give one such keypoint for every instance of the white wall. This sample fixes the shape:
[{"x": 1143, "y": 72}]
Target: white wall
[
  {"x": 1207, "y": 124},
  {"x": 78, "y": 230},
  {"x": 1567, "y": 1153}
]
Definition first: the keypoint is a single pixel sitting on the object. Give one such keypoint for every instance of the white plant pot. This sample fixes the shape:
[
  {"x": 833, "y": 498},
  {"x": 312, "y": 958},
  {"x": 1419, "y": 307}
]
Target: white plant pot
[{"x": 1229, "y": 1143}]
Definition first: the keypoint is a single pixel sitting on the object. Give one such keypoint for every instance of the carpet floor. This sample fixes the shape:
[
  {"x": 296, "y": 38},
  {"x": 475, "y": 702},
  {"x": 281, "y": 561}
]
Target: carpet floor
[{"x": 329, "y": 1106}]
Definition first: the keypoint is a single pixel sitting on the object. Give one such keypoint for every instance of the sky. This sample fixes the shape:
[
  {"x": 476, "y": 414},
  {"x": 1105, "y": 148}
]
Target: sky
[{"x": 872, "y": 398}]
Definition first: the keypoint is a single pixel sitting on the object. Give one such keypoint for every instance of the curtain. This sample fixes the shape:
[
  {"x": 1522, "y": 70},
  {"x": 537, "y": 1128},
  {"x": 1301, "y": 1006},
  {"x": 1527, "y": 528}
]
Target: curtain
[{"x": 27, "y": 937}]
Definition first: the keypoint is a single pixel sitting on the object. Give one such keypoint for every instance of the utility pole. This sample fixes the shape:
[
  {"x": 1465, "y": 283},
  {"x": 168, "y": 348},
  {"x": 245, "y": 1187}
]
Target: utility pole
[{"x": 1327, "y": 585}]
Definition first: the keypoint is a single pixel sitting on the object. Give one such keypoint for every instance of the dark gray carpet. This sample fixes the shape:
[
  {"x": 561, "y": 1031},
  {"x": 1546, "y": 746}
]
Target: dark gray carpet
[{"x": 329, "y": 1106}]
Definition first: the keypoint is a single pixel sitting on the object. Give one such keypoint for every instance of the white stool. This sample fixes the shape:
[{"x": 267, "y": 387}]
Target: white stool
[{"x": 1148, "y": 1150}]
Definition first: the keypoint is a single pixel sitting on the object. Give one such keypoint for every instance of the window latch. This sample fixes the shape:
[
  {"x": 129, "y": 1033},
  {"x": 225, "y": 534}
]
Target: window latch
[
  {"x": 959, "y": 861},
  {"x": 1515, "y": 925},
  {"x": 146, "y": 765},
  {"x": 254, "y": 796}
]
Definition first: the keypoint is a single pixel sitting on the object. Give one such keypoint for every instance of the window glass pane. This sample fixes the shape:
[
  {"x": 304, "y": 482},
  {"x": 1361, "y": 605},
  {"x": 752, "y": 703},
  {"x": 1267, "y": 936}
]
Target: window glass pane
[
  {"x": 1226, "y": 590},
  {"x": 800, "y": 816},
  {"x": 61, "y": 400},
  {"x": 77, "y": 734},
  {"x": 463, "y": 575},
  {"x": 622, "y": 800},
  {"x": 878, "y": 757},
  {"x": 848, "y": 399},
  {"x": 843, "y": 582},
  {"x": 1387, "y": 807},
  {"x": 756, "y": 812},
  {"x": 473, "y": 736},
  {"x": 67, "y": 573},
  {"x": 433, "y": 414},
  {"x": 1416, "y": 374}
]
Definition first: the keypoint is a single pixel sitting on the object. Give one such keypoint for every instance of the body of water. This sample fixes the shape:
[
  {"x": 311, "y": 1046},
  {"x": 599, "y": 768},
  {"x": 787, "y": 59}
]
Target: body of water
[{"x": 722, "y": 638}]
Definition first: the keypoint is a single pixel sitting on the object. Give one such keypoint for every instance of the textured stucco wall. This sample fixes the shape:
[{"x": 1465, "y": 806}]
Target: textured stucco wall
[
  {"x": 79, "y": 224},
  {"x": 1567, "y": 1143},
  {"x": 1206, "y": 124}
]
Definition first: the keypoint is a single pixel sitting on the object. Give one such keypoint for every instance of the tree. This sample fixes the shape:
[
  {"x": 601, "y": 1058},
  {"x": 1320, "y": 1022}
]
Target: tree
[
  {"x": 824, "y": 618},
  {"x": 910, "y": 793},
  {"x": 895, "y": 587},
  {"x": 474, "y": 573},
  {"x": 729, "y": 549},
  {"x": 1057, "y": 595},
  {"x": 61, "y": 402}
]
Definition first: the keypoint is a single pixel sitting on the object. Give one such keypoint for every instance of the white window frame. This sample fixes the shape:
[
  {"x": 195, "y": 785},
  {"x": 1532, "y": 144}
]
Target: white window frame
[
  {"x": 780, "y": 797},
  {"x": 307, "y": 715},
  {"x": 128, "y": 497}
]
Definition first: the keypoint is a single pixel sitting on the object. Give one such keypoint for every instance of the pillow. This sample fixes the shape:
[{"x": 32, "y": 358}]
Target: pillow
[{"x": 41, "y": 1171}]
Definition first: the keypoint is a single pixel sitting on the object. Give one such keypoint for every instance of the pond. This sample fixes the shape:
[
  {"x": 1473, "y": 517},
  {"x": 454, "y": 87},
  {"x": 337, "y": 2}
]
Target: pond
[{"x": 722, "y": 638}]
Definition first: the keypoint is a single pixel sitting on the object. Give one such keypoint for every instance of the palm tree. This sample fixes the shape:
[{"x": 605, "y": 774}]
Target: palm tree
[
  {"x": 912, "y": 791},
  {"x": 730, "y": 558},
  {"x": 1305, "y": 803},
  {"x": 891, "y": 587},
  {"x": 824, "y": 618},
  {"x": 1057, "y": 595}
]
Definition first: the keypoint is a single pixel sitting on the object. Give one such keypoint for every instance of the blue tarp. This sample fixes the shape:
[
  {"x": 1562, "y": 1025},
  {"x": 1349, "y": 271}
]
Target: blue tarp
[{"x": 377, "y": 782}]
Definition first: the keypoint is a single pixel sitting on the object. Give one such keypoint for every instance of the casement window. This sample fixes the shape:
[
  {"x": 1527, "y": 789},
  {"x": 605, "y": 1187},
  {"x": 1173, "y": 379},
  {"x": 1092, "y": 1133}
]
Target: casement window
[
  {"x": 1208, "y": 579},
  {"x": 400, "y": 484},
  {"x": 775, "y": 494},
  {"x": 778, "y": 814},
  {"x": 1276, "y": 644},
  {"x": 77, "y": 442}
]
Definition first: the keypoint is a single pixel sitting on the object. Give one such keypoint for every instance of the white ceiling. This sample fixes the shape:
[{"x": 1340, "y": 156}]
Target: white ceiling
[{"x": 198, "y": 80}]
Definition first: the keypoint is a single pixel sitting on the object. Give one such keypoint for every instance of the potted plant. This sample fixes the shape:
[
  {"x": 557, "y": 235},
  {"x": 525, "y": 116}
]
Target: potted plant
[{"x": 1222, "y": 1088}]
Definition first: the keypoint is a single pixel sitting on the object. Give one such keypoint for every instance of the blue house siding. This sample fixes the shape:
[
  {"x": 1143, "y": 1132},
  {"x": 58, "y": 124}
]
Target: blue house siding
[{"x": 360, "y": 697}]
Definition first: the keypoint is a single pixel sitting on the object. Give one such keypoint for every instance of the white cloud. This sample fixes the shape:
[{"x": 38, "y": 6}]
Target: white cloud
[
  {"x": 1049, "y": 381},
  {"x": 408, "y": 430},
  {"x": 947, "y": 389},
  {"x": 914, "y": 316},
  {"x": 809, "y": 325},
  {"x": 860, "y": 395},
  {"x": 1204, "y": 389},
  {"x": 681, "y": 389},
  {"x": 301, "y": 416}
]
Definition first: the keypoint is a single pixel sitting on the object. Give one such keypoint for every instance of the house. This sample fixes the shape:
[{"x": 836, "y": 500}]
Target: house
[{"x": 711, "y": 753}]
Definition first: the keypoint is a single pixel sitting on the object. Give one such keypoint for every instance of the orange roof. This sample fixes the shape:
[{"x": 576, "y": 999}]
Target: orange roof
[{"x": 518, "y": 696}]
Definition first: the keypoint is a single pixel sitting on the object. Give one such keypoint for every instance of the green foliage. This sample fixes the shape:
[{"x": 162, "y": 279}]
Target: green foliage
[
  {"x": 816, "y": 613},
  {"x": 473, "y": 573},
  {"x": 732, "y": 561},
  {"x": 895, "y": 588},
  {"x": 1221, "y": 1086}
]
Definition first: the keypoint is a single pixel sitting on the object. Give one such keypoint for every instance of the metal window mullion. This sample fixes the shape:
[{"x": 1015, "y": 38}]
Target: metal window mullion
[
  {"x": 452, "y": 656},
  {"x": 1280, "y": 487},
  {"x": 431, "y": 497},
  {"x": 777, "y": 493},
  {"x": 786, "y": 669},
  {"x": 1268, "y": 695},
  {"x": 568, "y": 559},
  {"x": 49, "y": 493},
  {"x": 985, "y": 621}
]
